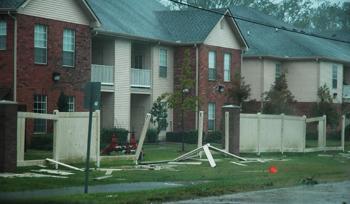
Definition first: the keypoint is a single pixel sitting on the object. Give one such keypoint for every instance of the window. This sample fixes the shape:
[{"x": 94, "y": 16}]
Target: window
[
  {"x": 211, "y": 116},
  {"x": 71, "y": 103},
  {"x": 212, "y": 66},
  {"x": 334, "y": 76},
  {"x": 40, "y": 44},
  {"x": 40, "y": 106},
  {"x": 68, "y": 48},
  {"x": 138, "y": 61},
  {"x": 278, "y": 72},
  {"x": 3, "y": 34},
  {"x": 227, "y": 67},
  {"x": 163, "y": 62}
]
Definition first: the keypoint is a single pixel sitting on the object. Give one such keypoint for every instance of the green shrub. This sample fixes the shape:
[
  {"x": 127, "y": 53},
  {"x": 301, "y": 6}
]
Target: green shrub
[
  {"x": 152, "y": 136},
  {"x": 190, "y": 137},
  {"x": 213, "y": 137},
  {"x": 106, "y": 136},
  {"x": 42, "y": 142}
]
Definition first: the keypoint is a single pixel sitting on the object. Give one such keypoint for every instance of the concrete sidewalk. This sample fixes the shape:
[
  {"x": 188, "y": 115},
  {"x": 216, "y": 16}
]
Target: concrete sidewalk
[{"x": 122, "y": 187}]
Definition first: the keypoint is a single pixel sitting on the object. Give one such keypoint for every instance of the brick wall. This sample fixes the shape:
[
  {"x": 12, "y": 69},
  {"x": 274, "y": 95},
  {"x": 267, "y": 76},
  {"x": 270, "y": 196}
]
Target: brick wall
[
  {"x": 37, "y": 79},
  {"x": 6, "y": 62},
  {"x": 207, "y": 89}
]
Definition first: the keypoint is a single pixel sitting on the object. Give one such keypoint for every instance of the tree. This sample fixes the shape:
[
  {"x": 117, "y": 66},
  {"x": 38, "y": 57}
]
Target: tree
[
  {"x": 325, "y": 106},
  {"x": 239, "y": 91},
  {"x": 278, "y": 99},
  {"x": 182, "y": 99},
  {"x": 62, "y": 103},
  {"x": 159, "y": 113}
]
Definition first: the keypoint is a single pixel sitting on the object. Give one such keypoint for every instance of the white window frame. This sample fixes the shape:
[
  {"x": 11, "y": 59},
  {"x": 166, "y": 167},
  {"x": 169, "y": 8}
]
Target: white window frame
[
  {"x": 163, "y": 63},
  {"x": 68, "y": 44},
  {"x": 334, "y": 76},
  {"x": 211, "y": 115},
  {"x": 278, "y": 71},
  {"x": 3, "y": 33},
  {"x": 42, "y": 108},
  {"x": 212, "y": 65},
  {"x": 227, "y": 67},
  {"x": 37, "y": 45},
  {"x": 71, "y": 103}
]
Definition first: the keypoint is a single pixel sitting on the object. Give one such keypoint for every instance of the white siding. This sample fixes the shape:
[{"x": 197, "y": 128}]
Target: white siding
[
  {"x": 302, "y": 79},
  {"x": 326, "y": 78},
  {"x": 252, "y": 72},
  {"x": 122, "y": 84},
  {"x": 62, "y": 10},
  {"x": 260, "y": 74},
  {"x": 163, "y": 85},
  {"x": 222, "y": 35}
]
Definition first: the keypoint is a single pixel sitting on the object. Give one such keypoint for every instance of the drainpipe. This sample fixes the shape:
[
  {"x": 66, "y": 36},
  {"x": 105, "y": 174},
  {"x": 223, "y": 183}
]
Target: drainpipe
[
  {"x": 262, "y": 83},
  {"x": 197, "y": 81},
  {"x": 14, "y": 57}
]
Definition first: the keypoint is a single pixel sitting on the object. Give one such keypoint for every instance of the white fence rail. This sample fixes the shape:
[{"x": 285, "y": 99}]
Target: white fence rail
[
  {"x": 102, "y": 73},
  {"x": 140, "y": 78},
  {"x": 69, "y": 136}
]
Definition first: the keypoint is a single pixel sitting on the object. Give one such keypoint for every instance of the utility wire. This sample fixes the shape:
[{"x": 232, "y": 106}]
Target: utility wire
[{"x": 260, "y": 23}]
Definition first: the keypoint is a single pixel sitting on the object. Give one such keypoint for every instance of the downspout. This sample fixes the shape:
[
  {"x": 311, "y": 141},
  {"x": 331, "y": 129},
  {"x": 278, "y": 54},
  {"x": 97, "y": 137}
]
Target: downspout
[
  {"x": 197, "y": 82},
  {"x": 14, "y": 57},
  {"x": 262, "y": 84}
]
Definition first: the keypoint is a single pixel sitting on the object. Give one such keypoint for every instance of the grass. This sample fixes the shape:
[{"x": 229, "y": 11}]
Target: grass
[
  {"x": 225, "y": 178},
  {"x": 33, "y": 154}
]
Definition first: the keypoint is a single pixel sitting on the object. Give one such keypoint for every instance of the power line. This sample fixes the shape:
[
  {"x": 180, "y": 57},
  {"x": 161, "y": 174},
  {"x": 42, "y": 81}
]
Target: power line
[{"x": 260, "y": 23}]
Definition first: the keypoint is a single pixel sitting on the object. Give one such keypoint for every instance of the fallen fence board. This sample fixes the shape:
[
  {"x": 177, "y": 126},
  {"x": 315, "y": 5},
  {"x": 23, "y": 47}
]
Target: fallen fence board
[
  {"x": 29, "y": 175},
  {"x": 185, "y": 163},
  {"x": 209, "y": 156},
  {"x": 227, "y": 153},
  {"x": 50, "y": 171},
  {"x": 63, "y": 164},
  {"x": 238, "y": 163}
]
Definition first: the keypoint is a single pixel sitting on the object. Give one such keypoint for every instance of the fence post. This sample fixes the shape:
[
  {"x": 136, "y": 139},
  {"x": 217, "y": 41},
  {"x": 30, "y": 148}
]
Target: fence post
[
  {"x": 56, "y": 131},
  {"x": 227, "y": 130},
  {"x": 259, "y": 132},
  {"x": 324, "y": 143},
  {"x": 304, "y": 133},
  {"x": 200, "y": 129},
  {"x": 343, "y": 133},
  {"x": 282, "y": 131},
  {"x": 21, "y": 121},
  {"x": 98, "y": 131}
]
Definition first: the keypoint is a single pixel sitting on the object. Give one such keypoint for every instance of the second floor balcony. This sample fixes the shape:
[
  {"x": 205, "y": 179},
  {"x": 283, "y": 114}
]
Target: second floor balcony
[
  {"x": 103, "y": 74},
  {"x": 140, "y": 78}
]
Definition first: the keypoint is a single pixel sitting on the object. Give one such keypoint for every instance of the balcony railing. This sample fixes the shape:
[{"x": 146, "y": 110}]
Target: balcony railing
[
  {"x": 140, "y": 78},
  {"x": 102, "y": 73},
  {"x": 346, "y": 91}
]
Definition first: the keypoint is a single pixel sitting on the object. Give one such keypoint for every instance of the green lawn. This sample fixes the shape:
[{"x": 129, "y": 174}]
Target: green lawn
[{"x": 225, "y": 178}]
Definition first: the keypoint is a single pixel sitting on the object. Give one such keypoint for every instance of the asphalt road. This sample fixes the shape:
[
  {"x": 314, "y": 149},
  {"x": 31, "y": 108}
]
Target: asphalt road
[{"x": 332, "y": 193}]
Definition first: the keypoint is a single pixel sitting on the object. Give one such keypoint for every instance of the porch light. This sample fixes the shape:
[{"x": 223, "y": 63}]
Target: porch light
[
  {"x": 56, "y": 76},
  {"x": 220, "y": 88}
]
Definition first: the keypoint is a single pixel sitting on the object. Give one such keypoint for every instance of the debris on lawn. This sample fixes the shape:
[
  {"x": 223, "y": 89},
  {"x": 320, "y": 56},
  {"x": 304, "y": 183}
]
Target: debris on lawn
[
  {"x": 185, "y": 163},
  {"x": 325, "y": 155},
  {"x": 345, "y": 155},
  {"x": 63, "y": 164},
  {"x": 56, "y": 172},
  {"x": 239, "y": 164},
  {"x": 102, "y": 177},
  {"x": 28, "y": 175},
  {"x": 309, "y": 181}
]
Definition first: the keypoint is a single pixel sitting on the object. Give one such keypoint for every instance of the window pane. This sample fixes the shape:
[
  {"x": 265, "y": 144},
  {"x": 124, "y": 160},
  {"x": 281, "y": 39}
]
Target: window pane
[
  {"x": 227, "y": 67},
  {"x": 68, "y": 47},
  {"x": 68, "y": 59},
  {"x": 334, "y": 76},
  {"x": 278, "y": 71},
  {"x": 40, "y": 55},
  {"x": 211, "y": 116},
  {"x": 3, "y": 33},
  {"x": 162, "y": 71},
  {"x": 163, "y": 57},
  {"x": 40, "y": 44},
  {"x": 211, "y": 65},
  {"x": 40, "y": 106},
  {"x": 71, "y": 103}
]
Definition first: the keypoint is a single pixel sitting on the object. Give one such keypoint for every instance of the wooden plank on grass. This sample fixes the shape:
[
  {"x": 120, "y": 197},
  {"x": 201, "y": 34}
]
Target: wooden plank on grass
[
  {"x": 209, "y": 156},
  {"x": 142, "y": 137},
  {"x": 63, "y": 164},
  {"x": 227, "y": 153}
]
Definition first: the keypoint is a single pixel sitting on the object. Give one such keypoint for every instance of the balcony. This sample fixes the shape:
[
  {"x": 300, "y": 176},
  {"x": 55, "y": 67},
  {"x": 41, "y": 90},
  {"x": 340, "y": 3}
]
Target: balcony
[
  {"x": 140, "y": 78},
  {"x": 103, "y": 74}
]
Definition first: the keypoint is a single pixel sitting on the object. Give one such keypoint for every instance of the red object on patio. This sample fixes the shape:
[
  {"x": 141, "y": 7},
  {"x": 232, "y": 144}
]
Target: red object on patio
[{"x": 112, "y": 146}]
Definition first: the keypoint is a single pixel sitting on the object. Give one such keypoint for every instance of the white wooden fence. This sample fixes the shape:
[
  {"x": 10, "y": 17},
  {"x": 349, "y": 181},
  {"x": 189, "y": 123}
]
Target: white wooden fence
[
  {"x": 70, "y": 130},
  {"x": 281, "y": 133}
]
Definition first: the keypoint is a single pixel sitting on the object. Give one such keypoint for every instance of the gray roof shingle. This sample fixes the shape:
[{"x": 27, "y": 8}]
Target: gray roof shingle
[{"x": 10, "y": 4}]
